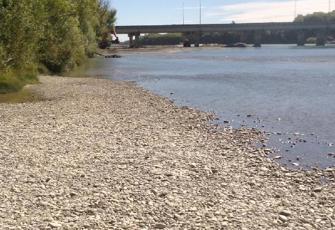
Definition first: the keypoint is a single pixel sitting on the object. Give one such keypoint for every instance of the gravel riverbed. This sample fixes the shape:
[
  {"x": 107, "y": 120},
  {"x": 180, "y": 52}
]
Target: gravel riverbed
[{"x": 98, "y": 154}]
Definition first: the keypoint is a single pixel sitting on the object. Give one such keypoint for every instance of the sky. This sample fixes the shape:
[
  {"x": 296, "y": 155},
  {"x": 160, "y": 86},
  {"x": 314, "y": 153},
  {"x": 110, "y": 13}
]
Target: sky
[{"x": 159, "y": 12}]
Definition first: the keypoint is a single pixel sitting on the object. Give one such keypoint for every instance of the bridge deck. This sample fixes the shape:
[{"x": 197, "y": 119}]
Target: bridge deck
[{"x": 223, "y": 27}]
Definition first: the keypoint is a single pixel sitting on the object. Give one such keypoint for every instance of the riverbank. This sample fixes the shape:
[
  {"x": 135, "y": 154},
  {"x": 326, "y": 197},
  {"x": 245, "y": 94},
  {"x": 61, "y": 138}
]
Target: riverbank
[{"x": 101, "y": 154}]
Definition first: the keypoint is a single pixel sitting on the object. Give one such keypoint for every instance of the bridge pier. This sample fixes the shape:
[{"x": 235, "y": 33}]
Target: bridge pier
[
  {"x": 321, "y": 38},
  {"x": 258, "y": 39},
  {"x": 137, "y": 40},
  {"x": 192, "y": 38},
  {"x": 131, "y": 40},
  {"x": 244, "y": 37},
  {"x": 301, "y": 39},
  {"x": 134, "y": 43},
  {"x": 197, "y": 37}
]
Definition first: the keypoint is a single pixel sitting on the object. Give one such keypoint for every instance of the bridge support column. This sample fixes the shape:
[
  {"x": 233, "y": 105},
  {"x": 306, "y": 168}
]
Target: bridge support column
[
  {"x": 186, "y": 40},
  {"x": 321, "y": 38},
  {"x": 192, "y": 38},
  {"x": 197, "y": 37},
  {"x": 244, "y": 37},
  {"x": 137, "y": 40},
  {"x": 131, "y": 40},
  {"x": 258, "y": 39},
  {"x": 301, "y": 39}
]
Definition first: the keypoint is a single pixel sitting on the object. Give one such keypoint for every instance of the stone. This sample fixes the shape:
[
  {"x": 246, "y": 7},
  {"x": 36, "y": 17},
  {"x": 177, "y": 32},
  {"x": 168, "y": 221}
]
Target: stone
[
  {"x": 317, "y": 189},
  {"x": 55, "y": 224},
  {"x": 159, "y": 226},
  {"x": 214, "y": 170},
  {"x": 283, "y": 218},
  {"x": 285, "y": 213}
]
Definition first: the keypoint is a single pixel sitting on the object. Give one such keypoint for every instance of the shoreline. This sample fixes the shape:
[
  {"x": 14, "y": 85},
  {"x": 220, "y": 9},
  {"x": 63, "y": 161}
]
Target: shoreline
[{"x": 103, "y": 154}]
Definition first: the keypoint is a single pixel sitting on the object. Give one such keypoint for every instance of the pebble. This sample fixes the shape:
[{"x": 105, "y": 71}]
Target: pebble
[
  {"x": 283, "y": 218},
  {"x": 285, "y": 213},
  {"x": 317, "y": 189},
  {"x": 159, "y": 226},
  {"x": 55, "y": 225}
]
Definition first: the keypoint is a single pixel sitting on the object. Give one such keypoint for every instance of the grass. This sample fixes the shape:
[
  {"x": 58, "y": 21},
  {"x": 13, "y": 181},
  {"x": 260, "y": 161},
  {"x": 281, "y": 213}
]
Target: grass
[
  {"x": 13, "y": 80},
  {"x": 12, "y": 84},
  {"x": 22, "y": 96}
]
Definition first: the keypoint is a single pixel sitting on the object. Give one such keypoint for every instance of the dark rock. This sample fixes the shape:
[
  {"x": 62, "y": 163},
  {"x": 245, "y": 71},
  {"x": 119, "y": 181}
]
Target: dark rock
[{"x": 159, "y": 226}]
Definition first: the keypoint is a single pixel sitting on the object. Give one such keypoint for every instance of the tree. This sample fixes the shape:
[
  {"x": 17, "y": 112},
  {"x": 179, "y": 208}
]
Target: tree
[{"x": 56, "y": 34}]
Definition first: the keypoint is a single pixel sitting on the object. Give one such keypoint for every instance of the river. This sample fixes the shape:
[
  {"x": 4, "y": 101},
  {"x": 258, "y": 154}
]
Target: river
[{"x": 284, "y": 90}]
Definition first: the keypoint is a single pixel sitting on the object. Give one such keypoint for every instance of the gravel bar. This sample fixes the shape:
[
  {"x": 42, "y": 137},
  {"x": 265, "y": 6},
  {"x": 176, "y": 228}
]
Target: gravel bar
[{"x": 99, "y": 154}]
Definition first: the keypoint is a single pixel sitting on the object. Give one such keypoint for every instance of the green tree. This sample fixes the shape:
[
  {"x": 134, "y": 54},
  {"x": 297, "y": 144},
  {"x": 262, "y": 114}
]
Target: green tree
[
  {"x": 316, "y": 17},
  {"x": 55, "y": 34},
  {"x": 62, "y": 46}
]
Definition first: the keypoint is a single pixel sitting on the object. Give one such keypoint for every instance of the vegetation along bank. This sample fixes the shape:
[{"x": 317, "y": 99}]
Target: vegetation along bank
[{"x": 48, "y": 36}]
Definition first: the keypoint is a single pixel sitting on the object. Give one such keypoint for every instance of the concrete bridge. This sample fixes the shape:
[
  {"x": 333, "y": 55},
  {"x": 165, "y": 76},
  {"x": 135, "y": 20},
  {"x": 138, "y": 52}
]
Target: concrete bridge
[{"x": 195, "y": 30}]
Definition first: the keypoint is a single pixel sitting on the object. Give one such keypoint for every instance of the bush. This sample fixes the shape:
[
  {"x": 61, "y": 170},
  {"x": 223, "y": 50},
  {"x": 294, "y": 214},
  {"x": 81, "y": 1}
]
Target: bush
[
  {"x": 162, "y": 39},
  {"x": 9, "y": 82},
  {"x": 14, "y": 80}
]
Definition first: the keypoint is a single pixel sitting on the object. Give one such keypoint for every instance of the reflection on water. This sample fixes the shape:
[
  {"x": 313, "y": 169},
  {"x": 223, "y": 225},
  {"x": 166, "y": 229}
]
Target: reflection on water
[{"x": 288, "y": 91}]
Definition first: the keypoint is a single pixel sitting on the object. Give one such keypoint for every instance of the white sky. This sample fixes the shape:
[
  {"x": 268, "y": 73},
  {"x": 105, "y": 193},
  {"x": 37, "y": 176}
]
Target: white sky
[{"x": 266, "y": 11}]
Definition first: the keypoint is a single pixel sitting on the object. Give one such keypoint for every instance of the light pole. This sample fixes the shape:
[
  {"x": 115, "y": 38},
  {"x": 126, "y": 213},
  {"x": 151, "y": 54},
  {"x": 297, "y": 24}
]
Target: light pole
[
  {"x": 183, "y": 13},
  {"x": 200, "y": 13},
  {"x": 295, "y": 9}
]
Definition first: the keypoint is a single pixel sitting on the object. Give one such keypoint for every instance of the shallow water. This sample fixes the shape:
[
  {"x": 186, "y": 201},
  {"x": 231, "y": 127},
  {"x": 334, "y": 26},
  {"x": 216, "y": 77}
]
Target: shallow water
[{"x": 288, "y": 91}]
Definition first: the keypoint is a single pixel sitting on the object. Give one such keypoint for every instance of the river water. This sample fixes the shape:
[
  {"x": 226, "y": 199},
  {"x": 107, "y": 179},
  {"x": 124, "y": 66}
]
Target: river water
[{"x": 286, "y": 91}]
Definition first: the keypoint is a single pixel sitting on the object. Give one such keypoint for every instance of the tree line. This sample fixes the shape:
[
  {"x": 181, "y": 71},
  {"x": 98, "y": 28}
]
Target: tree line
[
  {"x": 316, "y": 17},
  {"x": 48, "y": 36}
]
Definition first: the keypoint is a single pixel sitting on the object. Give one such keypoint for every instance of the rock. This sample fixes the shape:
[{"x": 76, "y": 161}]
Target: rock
[
  {"x": 283, "y": 218},
  {"x": 55, "y": 224},
  {"x": 285, "y": 213},
  {"x": 193, "y": 165},
  {"x": 224, "y": 224},
  {"x": 163, "y": 194},
  {"x": 214, "y": 170},
  {"x": 169, "y": 174},
  {"x": 307, "y": 226},
  {"x": 73, "y": 194},
  {"x": 159, "y": 226},
  {"x": 317, "y": 189}
]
